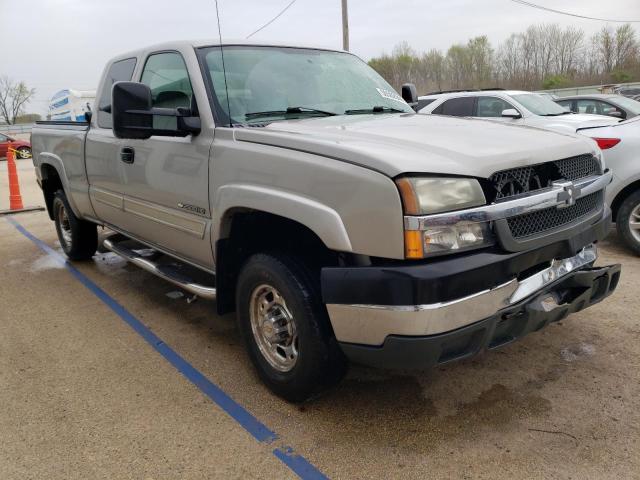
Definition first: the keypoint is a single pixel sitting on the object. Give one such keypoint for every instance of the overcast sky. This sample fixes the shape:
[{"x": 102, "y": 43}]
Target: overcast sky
[{"x": 56, "y": 44}]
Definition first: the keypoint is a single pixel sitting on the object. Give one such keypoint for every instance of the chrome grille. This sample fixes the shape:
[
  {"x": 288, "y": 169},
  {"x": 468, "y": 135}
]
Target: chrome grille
[
  {"x": 541, "y": 221},
  {"x": 508, "y": 183}
]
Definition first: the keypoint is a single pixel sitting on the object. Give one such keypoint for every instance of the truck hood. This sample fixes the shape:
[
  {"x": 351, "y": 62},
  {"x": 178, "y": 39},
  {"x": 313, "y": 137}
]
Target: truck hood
[{"x": 410, "y": 143}]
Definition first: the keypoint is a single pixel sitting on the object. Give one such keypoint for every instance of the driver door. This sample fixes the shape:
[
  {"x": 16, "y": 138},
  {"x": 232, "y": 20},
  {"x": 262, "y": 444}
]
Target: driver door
[{"x": 165, "y": 179}]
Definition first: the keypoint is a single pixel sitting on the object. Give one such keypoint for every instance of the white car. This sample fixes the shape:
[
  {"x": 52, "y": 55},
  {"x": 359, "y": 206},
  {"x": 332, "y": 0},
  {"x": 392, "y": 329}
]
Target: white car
[
  {"x": 510, "y": 106},
  {"x": 620, "y": 145}
]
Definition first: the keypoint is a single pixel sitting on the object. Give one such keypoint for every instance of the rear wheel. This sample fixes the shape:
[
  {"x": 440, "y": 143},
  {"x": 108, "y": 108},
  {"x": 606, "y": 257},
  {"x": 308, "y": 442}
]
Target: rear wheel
[
  {"x": 286, "y": 328},
  {"x": 628, "y": 221},
  {"x": 78, "y": 239}
]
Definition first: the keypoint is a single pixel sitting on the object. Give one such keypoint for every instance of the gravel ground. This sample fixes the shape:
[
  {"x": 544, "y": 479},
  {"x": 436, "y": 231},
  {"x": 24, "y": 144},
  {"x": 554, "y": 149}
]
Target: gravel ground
[{"x": 85, "y": 397}]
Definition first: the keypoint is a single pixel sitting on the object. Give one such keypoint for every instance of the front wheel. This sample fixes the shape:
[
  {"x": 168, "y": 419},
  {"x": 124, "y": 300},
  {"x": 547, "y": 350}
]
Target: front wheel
[
  {"x": 23, "y": 153},
  {"x": 628, "y": 221},
  {"x": 286, "y": 328},
  {"x": 78, "y": 239}
]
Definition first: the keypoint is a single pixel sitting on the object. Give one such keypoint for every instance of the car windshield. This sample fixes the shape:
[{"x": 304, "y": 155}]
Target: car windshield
[
  {"x": 266, "y": 84},
  {"x": 539, "y": 105},
  {"x": 629, "y": 104}
]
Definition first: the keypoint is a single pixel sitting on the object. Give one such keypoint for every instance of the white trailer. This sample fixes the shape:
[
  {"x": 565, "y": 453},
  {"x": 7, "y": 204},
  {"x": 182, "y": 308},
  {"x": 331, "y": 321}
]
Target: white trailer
[{"x": 71, "y": 105}]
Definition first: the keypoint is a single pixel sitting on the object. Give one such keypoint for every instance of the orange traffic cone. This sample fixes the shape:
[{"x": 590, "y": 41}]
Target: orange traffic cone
[{"x": 15, "y": 199}]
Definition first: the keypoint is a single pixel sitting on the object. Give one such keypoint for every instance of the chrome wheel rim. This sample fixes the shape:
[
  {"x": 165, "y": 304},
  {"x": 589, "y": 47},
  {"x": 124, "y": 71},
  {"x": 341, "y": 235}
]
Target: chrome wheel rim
[
  {"x": 24, "y": 153},
  {"x": 273, "y": 328},
  {"x": 65, "y": 226},
  {"x": 634, "y": 223}
]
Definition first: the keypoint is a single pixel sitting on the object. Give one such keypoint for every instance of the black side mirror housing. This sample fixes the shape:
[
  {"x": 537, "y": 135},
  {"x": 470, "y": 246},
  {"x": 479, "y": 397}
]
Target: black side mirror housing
[
  {"x": 410, "y": 94},
  {"x": 132, "y": 114}
]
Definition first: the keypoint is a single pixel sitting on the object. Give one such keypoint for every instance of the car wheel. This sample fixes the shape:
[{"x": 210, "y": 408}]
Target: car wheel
[
  {"x": 628, "y": 221},
  {"x": 78, "y": 239},
  {"x": 286, "y": 328},
  {"x": 23, "y": 152}
]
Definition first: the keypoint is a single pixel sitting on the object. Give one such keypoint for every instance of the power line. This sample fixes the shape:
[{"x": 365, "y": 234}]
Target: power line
[
  {"x": 273, "y": 19},
  {"x": 540, "y": 7}
]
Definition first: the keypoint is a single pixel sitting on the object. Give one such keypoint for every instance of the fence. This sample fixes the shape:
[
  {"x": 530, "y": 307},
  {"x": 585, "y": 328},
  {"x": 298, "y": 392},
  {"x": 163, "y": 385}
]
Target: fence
[
  {"x": 16, "y": 129},
  {"x": 566, "y": 92}
]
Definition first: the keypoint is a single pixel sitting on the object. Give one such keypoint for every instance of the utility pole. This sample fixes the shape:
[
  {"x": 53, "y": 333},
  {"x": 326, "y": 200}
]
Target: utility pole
[{"x": 345, "y": 26}]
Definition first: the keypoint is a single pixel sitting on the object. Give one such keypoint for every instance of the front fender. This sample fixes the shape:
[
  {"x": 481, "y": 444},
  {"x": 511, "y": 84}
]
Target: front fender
[{"x": 322, "y": 220}]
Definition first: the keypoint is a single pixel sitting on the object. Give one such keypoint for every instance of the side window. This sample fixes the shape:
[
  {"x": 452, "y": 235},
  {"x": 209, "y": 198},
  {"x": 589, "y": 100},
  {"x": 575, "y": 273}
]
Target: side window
[
  {"x": 567, "y": 104},
  {"x": 458, "y": 107},
  {"x": 492, "y": 106},
  {"x": 424, "y": 103},
  {"x": 167, "y": 77},
  {"x": 3, "y": 138},
  {"x": 587, "y": 106},
  {"x": 605, "y": 108},
  {"x": 119, "y": 71}
]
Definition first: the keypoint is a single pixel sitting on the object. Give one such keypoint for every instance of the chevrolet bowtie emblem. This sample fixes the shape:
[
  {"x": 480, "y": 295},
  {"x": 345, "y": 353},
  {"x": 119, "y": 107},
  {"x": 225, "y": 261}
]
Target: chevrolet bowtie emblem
[{"x": 569, "y": 194}]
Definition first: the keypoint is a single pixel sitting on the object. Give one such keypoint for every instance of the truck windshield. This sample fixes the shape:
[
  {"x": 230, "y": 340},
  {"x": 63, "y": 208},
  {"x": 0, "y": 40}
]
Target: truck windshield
[{"x": 266, "y": 84}]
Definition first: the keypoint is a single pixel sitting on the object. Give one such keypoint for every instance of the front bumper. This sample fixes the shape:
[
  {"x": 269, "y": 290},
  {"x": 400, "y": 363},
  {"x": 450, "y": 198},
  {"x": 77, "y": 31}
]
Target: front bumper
[
  {"x": 423, "y": 314},
  {"x": 574, "y": 292}
]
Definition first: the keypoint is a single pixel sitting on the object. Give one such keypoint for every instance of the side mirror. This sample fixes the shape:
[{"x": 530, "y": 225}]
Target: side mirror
[
  {"x": 410, "y": 94},
  {"x": 133, "y": 114},
  {"x": 511, "y": 113},
  {"x": 616, "y": 113}
]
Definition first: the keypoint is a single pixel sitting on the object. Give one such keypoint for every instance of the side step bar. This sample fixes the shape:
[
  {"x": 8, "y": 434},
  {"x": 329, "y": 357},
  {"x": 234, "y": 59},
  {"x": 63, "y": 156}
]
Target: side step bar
[{"x": 167, "y": 272}]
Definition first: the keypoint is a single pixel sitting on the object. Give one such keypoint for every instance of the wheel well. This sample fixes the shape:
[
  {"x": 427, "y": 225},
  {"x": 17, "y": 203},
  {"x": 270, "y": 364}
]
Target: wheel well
[
  {"x": 51, "y": 183},
  {"x": 622, "y": 195},
  {"x": 250, "y": 232}
]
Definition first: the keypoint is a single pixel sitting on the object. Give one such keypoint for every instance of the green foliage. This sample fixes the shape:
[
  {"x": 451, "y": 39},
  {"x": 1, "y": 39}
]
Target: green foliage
[
  {"x": 556, "y": 81},
  {"x": 621, "y": 76}
]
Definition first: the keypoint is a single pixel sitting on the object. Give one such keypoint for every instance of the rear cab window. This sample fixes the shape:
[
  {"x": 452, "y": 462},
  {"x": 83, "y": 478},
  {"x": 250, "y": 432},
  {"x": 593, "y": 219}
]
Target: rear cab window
[{"x": 120, "y": 71}]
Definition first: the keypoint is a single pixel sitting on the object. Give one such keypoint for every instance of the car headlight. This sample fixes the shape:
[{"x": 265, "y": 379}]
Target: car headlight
[
  {"x": 430, "y": 195},
  {"x": 426, "y": 195}
]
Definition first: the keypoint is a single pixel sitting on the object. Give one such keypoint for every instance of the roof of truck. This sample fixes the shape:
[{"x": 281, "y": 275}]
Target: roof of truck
[{"x": 216, "y": 42}]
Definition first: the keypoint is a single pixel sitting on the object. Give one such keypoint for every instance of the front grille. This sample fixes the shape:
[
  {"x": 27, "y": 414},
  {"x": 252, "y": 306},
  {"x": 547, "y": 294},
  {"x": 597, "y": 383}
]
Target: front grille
[
  {"x": 508, "y": 183},
  {"x": 533, "y": 223}
]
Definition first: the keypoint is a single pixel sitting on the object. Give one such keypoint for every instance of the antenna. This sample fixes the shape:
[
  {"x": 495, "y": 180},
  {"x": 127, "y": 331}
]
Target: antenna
[{"x": 224, "y": 68}]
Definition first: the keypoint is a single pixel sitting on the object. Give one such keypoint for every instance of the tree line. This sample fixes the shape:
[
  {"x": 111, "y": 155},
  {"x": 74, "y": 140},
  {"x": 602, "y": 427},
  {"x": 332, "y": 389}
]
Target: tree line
[{"x": 542, "y": 57}]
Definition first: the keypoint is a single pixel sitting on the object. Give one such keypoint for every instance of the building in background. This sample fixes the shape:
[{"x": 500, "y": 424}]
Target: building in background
[{"x": 71, "y": 105}]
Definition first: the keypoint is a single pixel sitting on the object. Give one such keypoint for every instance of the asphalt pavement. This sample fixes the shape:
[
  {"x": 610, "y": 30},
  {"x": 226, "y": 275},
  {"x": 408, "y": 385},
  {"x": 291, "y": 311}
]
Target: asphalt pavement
[{"x": 86, "y": 392}]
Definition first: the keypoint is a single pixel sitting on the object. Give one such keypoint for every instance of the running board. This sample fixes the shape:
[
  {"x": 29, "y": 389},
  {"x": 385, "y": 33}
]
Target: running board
[{"x": 170, "y": 272}]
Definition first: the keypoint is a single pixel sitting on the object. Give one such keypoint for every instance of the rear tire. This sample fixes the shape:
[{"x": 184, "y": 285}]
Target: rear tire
[
  {"x": 628, "y": 221},
  {"x": 78, "y": 238},
  {"x": 286, "y": 328}
]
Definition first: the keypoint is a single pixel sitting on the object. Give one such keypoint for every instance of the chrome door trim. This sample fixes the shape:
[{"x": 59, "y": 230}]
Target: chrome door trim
[{"x": 183, "y": 221}]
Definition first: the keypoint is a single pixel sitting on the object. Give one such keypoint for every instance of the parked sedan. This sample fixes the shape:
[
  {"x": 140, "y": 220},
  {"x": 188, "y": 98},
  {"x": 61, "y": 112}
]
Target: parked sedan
[
  {"x": 620, "y": 145},
  {"x": 23, "y": 147},
  {"x": 601, "y": 104},
  {"x": 510, "y": 106}
]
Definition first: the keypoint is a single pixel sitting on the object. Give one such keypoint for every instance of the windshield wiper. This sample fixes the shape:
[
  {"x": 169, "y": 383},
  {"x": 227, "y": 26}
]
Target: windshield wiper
[
  {"x": 375, "y": 109},
  {"x": 289, "y": 110}
]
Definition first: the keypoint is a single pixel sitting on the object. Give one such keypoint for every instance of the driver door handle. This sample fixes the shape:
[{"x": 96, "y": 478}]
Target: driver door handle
[{"x": 127, "y": 154}]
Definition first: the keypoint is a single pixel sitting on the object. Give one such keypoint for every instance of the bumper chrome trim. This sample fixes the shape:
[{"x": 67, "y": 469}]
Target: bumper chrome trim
[
  {"x": 371, "y": 324},
  {"x": 550, "y": 197}
]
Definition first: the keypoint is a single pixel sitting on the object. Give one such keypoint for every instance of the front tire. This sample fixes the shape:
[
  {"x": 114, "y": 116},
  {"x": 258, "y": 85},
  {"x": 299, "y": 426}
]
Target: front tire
[
  {"x": 286, "y": 328},
  {"x": 628, "y": 221},
  {"x": 24, "y": 153},
  {"x": 78, "y": 239}
]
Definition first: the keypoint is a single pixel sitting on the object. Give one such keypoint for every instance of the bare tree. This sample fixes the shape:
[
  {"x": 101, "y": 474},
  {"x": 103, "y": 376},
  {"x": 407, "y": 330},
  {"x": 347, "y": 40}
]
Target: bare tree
[{"x": 13, "y": 98}]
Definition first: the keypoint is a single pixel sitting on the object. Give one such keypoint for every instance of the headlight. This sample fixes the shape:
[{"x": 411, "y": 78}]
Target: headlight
[
  {"x": 430, "y": 195},
  {"x": 425, "y": 195}
]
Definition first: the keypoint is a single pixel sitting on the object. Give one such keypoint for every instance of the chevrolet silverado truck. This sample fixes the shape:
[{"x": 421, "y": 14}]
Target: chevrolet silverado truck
[{"x": 295, "y": 187}]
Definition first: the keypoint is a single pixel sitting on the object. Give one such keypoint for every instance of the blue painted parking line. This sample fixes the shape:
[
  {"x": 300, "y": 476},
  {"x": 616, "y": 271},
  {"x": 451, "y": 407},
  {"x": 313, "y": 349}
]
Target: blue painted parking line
[{"x": 297, "y": 463}]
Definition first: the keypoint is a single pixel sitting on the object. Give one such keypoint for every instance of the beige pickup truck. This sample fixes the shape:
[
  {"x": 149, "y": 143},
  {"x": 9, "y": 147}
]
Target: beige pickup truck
[{"x": 296, "y": 187}]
